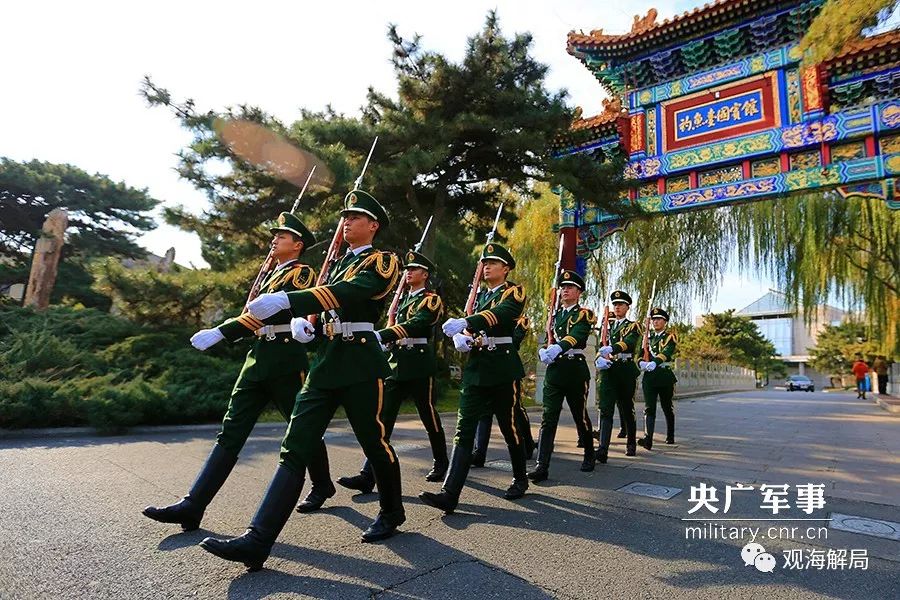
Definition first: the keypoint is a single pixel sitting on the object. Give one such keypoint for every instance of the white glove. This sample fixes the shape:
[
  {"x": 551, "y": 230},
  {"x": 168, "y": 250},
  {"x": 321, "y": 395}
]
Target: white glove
[
  {"x": 649, "y": 365},
  {"x": 461, "y": 342},
  {"x": 206, "y": 338},
  {"x": 542, "y": 355},
  {"x": 603, "y": 363},
  {"x": 453, "y": 326},
  {"x": 552, "y": 352},
  {"x": 605, "y": 351},
  {"x": 302, "y": 330},
  {"x": 384, "y": 348},
  {"x": 266, "y": 305}
]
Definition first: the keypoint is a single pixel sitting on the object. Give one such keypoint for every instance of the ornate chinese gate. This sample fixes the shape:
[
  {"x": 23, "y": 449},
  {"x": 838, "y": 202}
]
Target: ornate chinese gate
[{"x": 713, "y": 108}]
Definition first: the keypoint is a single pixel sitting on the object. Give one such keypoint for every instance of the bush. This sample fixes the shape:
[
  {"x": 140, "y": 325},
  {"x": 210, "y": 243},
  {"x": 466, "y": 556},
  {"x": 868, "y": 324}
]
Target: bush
[{"x": 68, "y": 366}]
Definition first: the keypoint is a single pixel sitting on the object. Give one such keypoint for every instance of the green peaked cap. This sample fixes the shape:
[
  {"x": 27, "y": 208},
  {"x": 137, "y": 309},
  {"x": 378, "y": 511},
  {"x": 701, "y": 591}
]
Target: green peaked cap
[
  {"x": 498, "y": 252},
  {"x": 415, "y": 259},
  {"x": 363, "y": 202},
  {"x": 291, "y": 223}
]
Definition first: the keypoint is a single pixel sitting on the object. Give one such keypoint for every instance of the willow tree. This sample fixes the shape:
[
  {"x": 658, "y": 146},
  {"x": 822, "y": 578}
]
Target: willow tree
[{"x": 839, "y": 23}]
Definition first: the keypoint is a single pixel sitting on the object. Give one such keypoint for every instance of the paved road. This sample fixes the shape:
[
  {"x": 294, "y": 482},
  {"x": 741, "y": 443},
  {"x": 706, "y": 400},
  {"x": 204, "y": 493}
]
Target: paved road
[{"x": 70, "y": 523}]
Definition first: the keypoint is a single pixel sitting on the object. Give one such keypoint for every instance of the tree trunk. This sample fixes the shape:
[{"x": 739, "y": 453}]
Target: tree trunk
[{"x": 45, "y": 262}]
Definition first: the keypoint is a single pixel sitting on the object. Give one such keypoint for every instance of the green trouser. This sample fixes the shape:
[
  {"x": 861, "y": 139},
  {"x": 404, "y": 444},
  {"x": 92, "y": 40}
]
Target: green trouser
[
  {"x": 664, "y": 392},
  {"x": 364, "y": 405},
  {"x": 249, "y": 398},
  {"x": 616, "y": 390},
  {"x": 575, "y": 393},
  {"x": 523, "y": 426},
  {"x": 477, "y": 402},
  {"x": 422, "y": 393}
]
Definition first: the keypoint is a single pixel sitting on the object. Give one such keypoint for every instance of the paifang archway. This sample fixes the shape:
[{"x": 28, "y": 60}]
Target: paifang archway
[{"x": 713, "y": 107}]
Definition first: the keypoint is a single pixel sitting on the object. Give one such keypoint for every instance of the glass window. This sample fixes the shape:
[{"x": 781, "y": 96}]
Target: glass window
[{"x": 778, "y": 331}]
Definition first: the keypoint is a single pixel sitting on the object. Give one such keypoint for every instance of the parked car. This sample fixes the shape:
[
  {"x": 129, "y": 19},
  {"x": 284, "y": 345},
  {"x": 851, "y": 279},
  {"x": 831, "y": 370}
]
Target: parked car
[{"x": 799, "y": 382}]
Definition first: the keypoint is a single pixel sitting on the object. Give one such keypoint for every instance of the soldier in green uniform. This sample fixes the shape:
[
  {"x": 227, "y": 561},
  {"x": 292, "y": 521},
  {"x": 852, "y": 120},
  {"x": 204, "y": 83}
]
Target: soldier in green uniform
[
  {"x": 523, "y": 424},
  {"x": 274, "y": 370},
  {"x": 618, "y": 376},
  {"x": 349, "y": 371},
  {"x": 659, "y": 378},
  {"x": 413, "y": 366},
  {"x": 567, "y": 374},
  {"x": 490, "y": 376}
]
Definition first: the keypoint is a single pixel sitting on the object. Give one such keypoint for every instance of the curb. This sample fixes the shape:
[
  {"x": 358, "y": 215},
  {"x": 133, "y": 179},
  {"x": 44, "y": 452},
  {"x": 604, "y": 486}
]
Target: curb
[{"x": 888, "y": 403}]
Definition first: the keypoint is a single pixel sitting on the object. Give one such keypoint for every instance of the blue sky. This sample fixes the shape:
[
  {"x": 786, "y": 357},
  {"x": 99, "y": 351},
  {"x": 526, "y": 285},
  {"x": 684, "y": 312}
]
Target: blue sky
[{"x": 75, "y": 92}]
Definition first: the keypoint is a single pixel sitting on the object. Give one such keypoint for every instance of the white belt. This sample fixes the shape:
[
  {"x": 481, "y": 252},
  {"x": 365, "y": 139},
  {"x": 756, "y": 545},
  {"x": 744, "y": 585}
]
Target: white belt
[
  {"x": 269, "y": 331},
  {"x": 574, "y": 352},
  {"x": 412, "y": 342},
  {"x": 492, "y": 342},
  {"x": 621, "y": 356},
  {"x": 346, "y": 329}
]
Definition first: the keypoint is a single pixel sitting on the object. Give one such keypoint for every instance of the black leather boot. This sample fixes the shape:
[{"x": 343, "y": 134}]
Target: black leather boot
[
  {"x": 364, "y": 482},
  {"x": 482, "y": 439},
  {"x": 439, "y": 452},
  {"x": 392, "y": 514},
  {"x": 188, "y": 512},
  {"x": 520, "y": 477},
  {"x": 448, "y": 497},
  {"x": 605, "y": 435},
  {"x": 523, "y": 426},
  {"x": 320, "y": 478},
  {"x": 670, "y": 430},
  {"x": 545, "y": 451},
  {"x": 253, "y": 547},
  {"x": 646, "y": 442},
  {"x": 589, "y": 457}
]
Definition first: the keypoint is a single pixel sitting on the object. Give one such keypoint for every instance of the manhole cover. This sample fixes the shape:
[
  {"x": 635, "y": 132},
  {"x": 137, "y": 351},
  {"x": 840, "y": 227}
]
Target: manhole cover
[
  {"x": 865, "y": 526},
  {"x": 408, "y": 447},
  {"x": 650, "y": 490},
  {"x": 500, "y": 465}
]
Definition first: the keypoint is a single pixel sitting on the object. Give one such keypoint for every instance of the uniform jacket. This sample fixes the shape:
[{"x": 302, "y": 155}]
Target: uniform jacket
[
  {"x": 571, "y": 329},
  {"x": 416, "y": 317},
  {"x": 625, "y": 338},
  {"x": 355, "y": 293},
  {"x": 283, "y": 352},
  {"x": 662, "y": 351},
  {"x": 497, "y": 314}
]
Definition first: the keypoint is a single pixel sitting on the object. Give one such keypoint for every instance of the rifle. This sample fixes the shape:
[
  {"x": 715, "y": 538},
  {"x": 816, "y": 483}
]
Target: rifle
[
  {"x": 401, "y": 287},
  {"x": 479, "y": 269},
  {"x": 604, "y": 326},
  {"x": 269, "y": 262},
  {"x": 553, "y": 302},
  {"x": 338, "y": 239},
  {"x": 646, "y": 341}
]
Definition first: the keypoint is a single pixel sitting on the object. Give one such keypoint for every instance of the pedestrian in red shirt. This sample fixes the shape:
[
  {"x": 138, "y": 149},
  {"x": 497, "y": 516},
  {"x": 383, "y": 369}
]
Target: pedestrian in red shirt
[{"x": 860, "y": 369}]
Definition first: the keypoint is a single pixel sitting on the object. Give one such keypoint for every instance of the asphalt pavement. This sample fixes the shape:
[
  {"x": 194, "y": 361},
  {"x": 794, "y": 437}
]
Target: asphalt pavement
[{"x": 71, "y": 527}]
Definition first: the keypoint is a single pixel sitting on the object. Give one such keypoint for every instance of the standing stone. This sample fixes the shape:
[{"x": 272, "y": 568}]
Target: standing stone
[{"x": 46, "y": 259}]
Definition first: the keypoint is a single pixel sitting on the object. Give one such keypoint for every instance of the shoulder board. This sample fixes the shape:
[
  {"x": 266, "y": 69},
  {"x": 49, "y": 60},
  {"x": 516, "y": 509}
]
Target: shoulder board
[
  {"x": 517, "y": 292},
  {"x": 302, "y": 276},
  {"x": 588, "y": 314}
]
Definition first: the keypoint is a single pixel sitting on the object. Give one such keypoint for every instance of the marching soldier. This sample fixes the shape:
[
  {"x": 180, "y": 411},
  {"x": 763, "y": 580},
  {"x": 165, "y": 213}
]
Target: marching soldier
[
  {"x": 618, "y": 376},
  {"x": 567, "y": 374},
  {"x": 350, "y": 372},
  {"x": 523, "y": 424},
  {"x": 659, "y": 378},
  {"x": 274, "y": 370},
  {"x": 413, "y": 365},
  {"x": 490, "y": 376}
]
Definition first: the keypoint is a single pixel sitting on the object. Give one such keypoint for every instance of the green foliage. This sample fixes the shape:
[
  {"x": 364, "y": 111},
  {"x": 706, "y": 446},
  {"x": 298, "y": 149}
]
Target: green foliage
[
  {"x": 726, "y": 337},
  {"x": 65, "y": 366},
  {"x": 451, "y": 134},
  {"x": 179, "y": 297},
  {"x": 104, "y": 218},
  {"x": 837, "y": 345},
  {"x": 838, "y": 23}
]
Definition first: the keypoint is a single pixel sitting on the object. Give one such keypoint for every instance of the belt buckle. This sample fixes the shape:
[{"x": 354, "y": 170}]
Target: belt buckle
[{"x": 329, "y": 330}]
